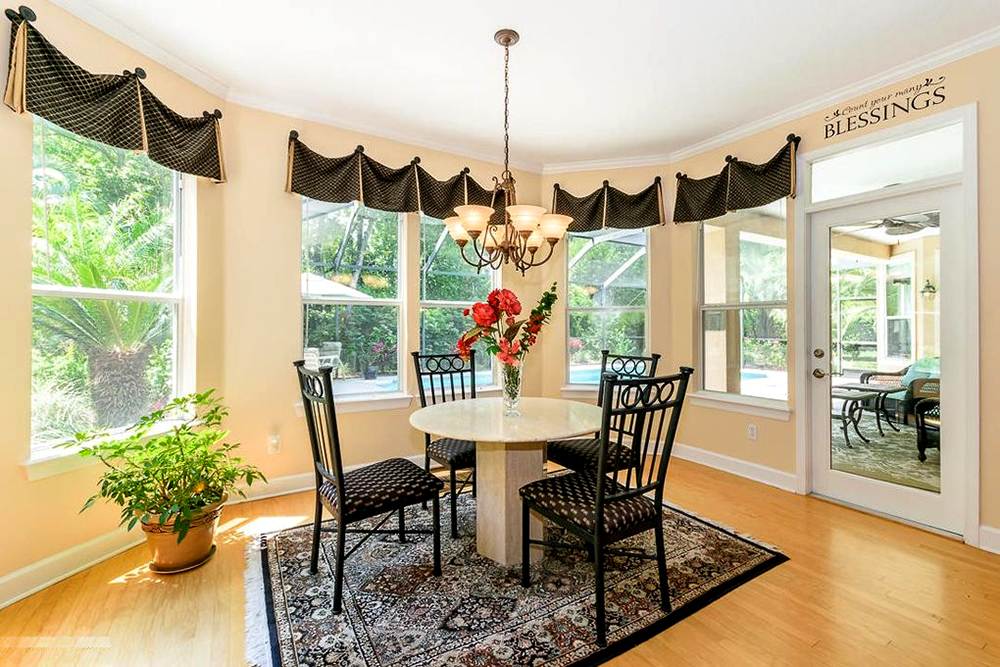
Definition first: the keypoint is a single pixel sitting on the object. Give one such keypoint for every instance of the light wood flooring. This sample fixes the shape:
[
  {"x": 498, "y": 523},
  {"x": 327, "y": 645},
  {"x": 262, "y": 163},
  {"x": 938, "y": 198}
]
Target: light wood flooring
[{"x": 858, "y": 590}]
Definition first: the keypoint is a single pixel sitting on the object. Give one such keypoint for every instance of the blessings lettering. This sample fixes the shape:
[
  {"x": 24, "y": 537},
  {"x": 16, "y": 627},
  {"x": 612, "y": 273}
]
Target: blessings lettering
[{"x": 917, "y": 97}]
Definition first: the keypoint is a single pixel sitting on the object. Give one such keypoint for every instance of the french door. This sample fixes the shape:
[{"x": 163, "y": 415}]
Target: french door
[{"x": 887, "y": 376}]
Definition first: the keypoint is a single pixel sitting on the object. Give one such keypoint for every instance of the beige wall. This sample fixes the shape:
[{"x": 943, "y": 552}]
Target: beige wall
[
  {"x": 673, "y": 261},
  {"x": 248, "y": 308}
]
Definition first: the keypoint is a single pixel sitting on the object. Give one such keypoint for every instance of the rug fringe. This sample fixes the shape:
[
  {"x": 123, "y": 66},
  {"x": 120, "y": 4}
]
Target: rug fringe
[{"x": 257, "y": 649}]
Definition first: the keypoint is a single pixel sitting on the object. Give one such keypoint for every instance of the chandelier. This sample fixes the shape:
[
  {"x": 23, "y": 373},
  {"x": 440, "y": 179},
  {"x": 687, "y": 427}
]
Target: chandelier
[{"x": 524, "y": 229}]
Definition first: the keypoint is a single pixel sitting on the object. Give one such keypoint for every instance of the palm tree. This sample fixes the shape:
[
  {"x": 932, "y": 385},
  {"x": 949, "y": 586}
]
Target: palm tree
[{"x": 103, "y": 221}]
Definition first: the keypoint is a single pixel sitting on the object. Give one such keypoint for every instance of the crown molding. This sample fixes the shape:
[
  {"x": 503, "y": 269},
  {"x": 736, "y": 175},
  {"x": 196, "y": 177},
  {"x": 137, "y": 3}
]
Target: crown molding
[
  {"x": 949, "y": 54},
  {"x": 260, "y": 103},
  {"x": 118, "y": 30},
  {"x": 98, "y": 19}
]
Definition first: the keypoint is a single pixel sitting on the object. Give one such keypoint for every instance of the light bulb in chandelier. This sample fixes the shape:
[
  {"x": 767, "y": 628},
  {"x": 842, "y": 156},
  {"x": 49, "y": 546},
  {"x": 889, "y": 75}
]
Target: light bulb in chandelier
[{"x": 534, "y": 241}]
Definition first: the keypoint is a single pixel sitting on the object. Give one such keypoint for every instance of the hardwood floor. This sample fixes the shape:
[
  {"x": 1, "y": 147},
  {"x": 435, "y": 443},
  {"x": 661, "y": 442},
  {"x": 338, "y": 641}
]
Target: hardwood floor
[{"x": 858, "y": 590}]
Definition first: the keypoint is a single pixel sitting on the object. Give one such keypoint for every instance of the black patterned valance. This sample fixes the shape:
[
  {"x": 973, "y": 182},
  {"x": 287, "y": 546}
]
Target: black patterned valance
[
  {"x": 114, "y": 109},
  {"x": 738, "y": 186},
  {"x": 610, "y": 207},
  {"x": 357, "y": 177}
]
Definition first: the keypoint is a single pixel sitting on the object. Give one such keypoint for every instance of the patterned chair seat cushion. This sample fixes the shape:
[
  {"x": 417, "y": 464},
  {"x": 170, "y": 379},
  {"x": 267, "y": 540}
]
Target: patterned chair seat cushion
[
  {"x": 573, "y": 497},
  {"x": 581, "y": 454},
  {"x": 382, "y": 487},
  {"x": 453, "y": 453}
]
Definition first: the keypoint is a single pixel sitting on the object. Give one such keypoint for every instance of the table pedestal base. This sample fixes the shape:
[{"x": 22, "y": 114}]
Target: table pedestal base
[{"x": 502, "y": 468}]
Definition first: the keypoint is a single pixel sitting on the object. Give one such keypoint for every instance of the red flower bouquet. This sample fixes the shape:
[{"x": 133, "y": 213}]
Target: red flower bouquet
[{"x": 506, "y": 336}]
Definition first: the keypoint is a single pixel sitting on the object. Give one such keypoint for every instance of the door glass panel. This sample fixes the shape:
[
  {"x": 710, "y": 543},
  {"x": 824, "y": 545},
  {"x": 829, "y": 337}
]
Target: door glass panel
[{"x": 885, "y": 359}]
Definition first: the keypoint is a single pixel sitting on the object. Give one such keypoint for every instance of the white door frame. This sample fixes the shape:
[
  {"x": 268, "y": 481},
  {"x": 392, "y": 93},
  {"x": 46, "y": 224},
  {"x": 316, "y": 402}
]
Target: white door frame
[{"x": 969, "y": 354}]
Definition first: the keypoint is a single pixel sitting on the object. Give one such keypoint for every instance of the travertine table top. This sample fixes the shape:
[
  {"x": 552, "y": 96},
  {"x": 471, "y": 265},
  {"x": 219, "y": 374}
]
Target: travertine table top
[{"x": 482, "y": 420}]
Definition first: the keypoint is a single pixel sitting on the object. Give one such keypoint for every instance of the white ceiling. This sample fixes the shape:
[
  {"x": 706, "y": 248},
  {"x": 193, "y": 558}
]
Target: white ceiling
[{"x": 590, "y": 80}]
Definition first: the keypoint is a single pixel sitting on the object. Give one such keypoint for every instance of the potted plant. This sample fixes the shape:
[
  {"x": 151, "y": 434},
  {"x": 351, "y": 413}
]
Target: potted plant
[
  {"x": 171, "y": 473},
  {"x": 382, "y": 355}
]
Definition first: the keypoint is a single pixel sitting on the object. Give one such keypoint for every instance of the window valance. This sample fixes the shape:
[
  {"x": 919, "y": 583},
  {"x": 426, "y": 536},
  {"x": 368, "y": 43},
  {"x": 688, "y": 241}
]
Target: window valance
[
  {"x": 738, "y": 186},
  {"x": 610, "y": 207},
  {"x": 115, "y": 109},
  {"x": 357, "y": 177}
]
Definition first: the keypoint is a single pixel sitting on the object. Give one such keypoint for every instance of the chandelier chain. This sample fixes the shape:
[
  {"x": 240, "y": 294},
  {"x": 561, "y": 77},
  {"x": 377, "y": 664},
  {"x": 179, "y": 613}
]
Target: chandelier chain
[{"x": 506, "y": 110}]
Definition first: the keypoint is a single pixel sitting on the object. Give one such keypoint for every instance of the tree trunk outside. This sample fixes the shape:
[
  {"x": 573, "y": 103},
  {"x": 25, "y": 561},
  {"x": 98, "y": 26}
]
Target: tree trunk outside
[{"x": 118, "y": 385}]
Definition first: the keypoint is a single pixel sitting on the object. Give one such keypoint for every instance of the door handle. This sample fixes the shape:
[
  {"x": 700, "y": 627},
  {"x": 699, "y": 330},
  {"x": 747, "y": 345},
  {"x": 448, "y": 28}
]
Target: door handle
[{"x": 818, "y": 373}]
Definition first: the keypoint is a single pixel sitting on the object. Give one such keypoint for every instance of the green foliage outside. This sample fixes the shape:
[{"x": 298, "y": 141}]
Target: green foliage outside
[
  {"x": 169, "y": 477},
  {"x": 607, "y": 311},
  {"x": 103, "y": 218}
]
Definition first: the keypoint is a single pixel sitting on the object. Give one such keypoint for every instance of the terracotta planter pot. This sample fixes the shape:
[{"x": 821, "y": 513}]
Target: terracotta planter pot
[{"x": 195, "y": 549}]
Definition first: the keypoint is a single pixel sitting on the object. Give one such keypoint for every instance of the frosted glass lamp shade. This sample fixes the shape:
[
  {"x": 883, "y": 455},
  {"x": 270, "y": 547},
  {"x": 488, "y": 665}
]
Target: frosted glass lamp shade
[
  {"x": 553, "y": 225},
  {"x": 525, "y": 217},
  {"x": 474, "y": 218},
  {"x": 535, "y": 241},
  {"x": 455, "y": 229}
]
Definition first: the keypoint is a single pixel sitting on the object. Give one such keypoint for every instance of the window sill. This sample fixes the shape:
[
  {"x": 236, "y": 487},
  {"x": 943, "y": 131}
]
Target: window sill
[
  {"x": 55, "y": 460},
  {"x": 580, "y": 391},
  {"x": 768, "y": 408},
  {"x": 395, "y": 400}
]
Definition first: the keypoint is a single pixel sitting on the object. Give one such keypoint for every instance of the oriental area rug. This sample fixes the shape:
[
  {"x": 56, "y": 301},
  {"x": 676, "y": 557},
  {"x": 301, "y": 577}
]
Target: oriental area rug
[{"x": 396, "y": 613}]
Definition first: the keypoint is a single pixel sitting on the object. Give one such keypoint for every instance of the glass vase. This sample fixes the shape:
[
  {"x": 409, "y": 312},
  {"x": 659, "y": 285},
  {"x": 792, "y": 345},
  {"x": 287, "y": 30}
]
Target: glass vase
[{"x": 511, "y": 378}]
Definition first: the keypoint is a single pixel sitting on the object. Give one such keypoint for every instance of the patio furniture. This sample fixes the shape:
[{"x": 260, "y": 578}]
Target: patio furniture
[
  {"x": 329, "y": 355},
  {"x": 927, "y": 413},
  {"x": 878, "y": 406},
  {"x": 851, "y": 410},
  {"x": 386, "y": 487},
  {"x": 918, "y": 390},
  {"x": 439, "y": 374},
  {"x": 603, "y": 506},
  {"x": 581, "y": 453}
]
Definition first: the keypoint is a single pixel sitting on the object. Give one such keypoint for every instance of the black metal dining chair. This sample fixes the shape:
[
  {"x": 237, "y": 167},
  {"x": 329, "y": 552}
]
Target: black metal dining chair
[
  {"x": 604, "y": 506},
  {"x": 386, "y": 487},
  {"x": 443, "y": 378},
  {"x": 581, "y": 453}
]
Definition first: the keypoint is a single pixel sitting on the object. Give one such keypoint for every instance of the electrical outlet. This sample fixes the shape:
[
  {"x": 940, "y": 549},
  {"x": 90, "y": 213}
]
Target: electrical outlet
[
  {"x": 274, "y": 444},
  {"x": 751, "y": 431}
]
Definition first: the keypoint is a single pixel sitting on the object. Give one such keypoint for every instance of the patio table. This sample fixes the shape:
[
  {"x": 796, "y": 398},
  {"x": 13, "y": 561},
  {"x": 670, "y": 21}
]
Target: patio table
[
  {"x": 851, "y": 410},
  {"x": 883, "y": 390}
]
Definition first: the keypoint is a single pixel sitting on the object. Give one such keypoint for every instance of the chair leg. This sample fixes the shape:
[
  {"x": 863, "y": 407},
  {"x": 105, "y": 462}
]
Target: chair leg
[
  {"x": 602, "y": 631},
  {"x": 317, "y": 522},
  {"x": 436, "y": 518},
  {"x": 402, "y": 525},
  {"x": 661, "y": 563},
  {"x": 338, "y": 576},
  {"x": 525, "y": 546},
  {"x": 427, "y": 468},
  {"x": 454, "y": 506}
]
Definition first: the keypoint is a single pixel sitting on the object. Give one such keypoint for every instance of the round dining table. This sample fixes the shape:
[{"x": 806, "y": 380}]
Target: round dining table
[{"x": 510, "y": 452}]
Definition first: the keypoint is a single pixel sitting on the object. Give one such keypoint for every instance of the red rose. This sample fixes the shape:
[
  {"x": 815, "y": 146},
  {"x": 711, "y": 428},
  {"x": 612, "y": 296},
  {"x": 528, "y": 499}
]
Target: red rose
[
  {"x": 464, "y": 347},
  {"x": 466, "y": 312},
  {"x": 510, "y": 321},
  {"x": 494, "y": 298},
  {"x": 484, "y": 315},
  {"x": 508, "y": 302}
]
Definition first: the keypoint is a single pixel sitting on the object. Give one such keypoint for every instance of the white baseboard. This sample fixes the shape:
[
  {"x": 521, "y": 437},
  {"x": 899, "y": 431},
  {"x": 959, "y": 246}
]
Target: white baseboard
[
  {"x": 755, "y": 471},
  {"x": 53, "y": 569},
  {"x": 42, "y": 574},
  {"x": 989, "y": 539}
]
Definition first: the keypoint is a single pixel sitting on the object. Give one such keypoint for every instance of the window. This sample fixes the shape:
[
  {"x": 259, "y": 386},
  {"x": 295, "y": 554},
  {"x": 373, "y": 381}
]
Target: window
[
  {"x": 448, "y": 285},
  {"x": 934, "y": 153},
  {"x": 106, "y": 286},
  {"x": 899, "y": 308},
  {"x": 853, "y": 313},
  {"x": 351, "y": 294},
  {"x": 744, "y": 303},
  {"x": 607, "y": 279}
]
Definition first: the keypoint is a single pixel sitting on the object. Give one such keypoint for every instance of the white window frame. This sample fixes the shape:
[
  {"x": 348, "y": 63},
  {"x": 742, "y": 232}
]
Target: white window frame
[
  {"x": 400, "y": 397},
  {"x": 588, "y": 388},
  {"x": 51, "y": 458},
  {"x": 884, "y": 317},
  {"x": 422, "y": 303},
  {"x": 771, "y": 408}
]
